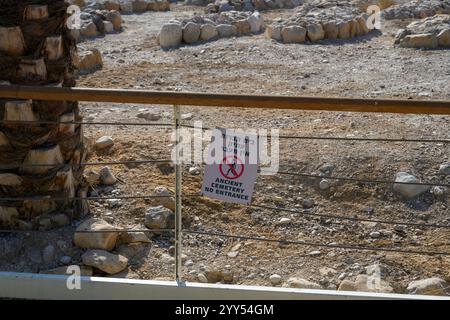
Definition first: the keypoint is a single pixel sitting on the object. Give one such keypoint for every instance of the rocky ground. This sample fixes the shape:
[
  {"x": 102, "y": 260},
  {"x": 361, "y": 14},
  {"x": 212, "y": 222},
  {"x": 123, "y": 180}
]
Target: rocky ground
[{"x": 365, "y": 67}]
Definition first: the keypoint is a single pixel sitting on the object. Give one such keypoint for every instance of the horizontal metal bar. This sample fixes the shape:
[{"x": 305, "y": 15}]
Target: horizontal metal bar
[
  {"x": 83, "y": 164},
  {"x": 103, "y": 123},
  {"x": 54, "y": 287},
  {"x": 87, "y": 231},
  {"x": 226, "y": 100}
]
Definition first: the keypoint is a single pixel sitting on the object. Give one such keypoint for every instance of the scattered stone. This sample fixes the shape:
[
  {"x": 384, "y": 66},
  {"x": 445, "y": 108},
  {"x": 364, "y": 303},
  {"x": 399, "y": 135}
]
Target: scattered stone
[
  {"x": 302, "y": 284},
  {"x": 324, "y": 184},
  {"x": 439, "y": 192},
  {"x": 105, "y": 261},
  {"x": 409, "y": 191},
  {"x": 48, "y": 255},
  {"x": 103, "y": 143},
  {"x": 65, "y": 260},
  {"x": 96, "y": 240},
  {"x": 195, "y": 171},
  {"x": 431, "y": 286},
  {"x": 233, "y": 254},
  {"x": 365, "y": 283},
  {"x": 107, "y": 177},
  {"x": 308, "y": 203},
  {"x": 275, "y": 279},
  {"x": 444, "y": 169},
  {"x": 159, "y": 217},
  {"x": 162, "y": 197},
  {"x": 89, "y": 61},
  {"x": 315, "y": 253},
  {"x": 284, "y": 221},
  {"x": 134, "y": 236},
  {"x": 202, "y": 278},
  {"x": 375, "y": 234},
  {"x": 149, "y": 116}
]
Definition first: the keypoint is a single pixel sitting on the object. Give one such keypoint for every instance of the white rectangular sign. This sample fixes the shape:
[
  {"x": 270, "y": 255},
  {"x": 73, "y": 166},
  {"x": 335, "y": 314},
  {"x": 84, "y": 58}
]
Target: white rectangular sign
[{"x": 230, "y": 173}]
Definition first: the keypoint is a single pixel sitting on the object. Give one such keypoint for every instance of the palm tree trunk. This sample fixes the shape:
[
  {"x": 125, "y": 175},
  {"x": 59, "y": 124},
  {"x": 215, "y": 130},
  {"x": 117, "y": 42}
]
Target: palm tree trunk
[{"x": 38, "y": 160}]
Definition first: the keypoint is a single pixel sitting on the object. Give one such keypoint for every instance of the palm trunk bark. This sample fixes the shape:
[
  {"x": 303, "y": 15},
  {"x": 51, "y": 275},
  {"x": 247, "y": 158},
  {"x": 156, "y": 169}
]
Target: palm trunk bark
[{"x": 38, "y": 160}]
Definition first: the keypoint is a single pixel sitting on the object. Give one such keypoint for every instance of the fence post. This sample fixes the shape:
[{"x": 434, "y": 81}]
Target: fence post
[{"x": 178, "y": 200}]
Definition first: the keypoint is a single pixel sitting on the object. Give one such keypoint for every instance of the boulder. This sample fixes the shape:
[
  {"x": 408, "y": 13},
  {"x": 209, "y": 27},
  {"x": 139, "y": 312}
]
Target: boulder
[
  {"x": 409, "y": 191},
  {"x": 425, "y": 40},
  {"x": 256, "y": 22},
  {"x": 331, "y": 30},
  {"x": 159, "y": 217},
  {"x": 115, "y": 18},
  {"x": 89, "y": 29},
  {"x": 170, "y": 35},
  {"x": 353, "y": 28},
  {"x": 112, "y": 5},
  {"x": 134, "y": 236},
  {"x": 430, "y": 286},
  {"x": 315, "y": 32},
  {"x": 226, "y": 30},
  {"x": 208, "y": 32},
  {"x": 362, "y": 23},
  {"x": 12, "y": 41},
  {"x": 443, "y": 38},
  {"x": 97, "y": 240},
  {"x": 191, "y": 32},
  {"x": 243, "y": 26},
  {"x": 162, "y": 197},
  {"x": 274, "y": 32},
  {"x": 139, "y": 6},
  {"x": 343, "y": 30},
  {"x": 105, "y": 261},
  {"x": 293, "y": 34},
  {"x": 109, "y": 27}
]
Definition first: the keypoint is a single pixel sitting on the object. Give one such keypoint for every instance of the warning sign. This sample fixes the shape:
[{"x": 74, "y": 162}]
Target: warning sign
[{"x": 230, "y": 174}]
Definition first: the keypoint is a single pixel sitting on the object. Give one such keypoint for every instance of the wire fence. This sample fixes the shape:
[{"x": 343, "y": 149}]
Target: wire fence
[{"x": 257, "y": 204}]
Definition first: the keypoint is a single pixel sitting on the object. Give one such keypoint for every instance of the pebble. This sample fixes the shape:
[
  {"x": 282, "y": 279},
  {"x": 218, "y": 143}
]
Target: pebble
[
  {"x": 284, "y": 221},
  {"x": 324, "y": 184},
  {"x": 194, "y": 171},
  {"x": 315, "y": 253},
  {"x": 375, "y": 234},
  {"x": 275, "y": 279}
]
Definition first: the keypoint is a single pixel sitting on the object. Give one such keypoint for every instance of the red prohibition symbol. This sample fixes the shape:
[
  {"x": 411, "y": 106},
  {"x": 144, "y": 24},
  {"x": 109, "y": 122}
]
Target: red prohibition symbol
[{"x": 231, "y": 167}]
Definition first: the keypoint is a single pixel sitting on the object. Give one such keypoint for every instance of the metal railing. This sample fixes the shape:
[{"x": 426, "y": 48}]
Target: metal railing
[{"x": 240, "y": 101}]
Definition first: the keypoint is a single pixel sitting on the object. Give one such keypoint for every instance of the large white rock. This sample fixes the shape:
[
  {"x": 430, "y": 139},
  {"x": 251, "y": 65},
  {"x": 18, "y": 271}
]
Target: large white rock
[
  {"x": 191, "y": 32},
  {"x": 430, "y": 286},
  {"x": 170, "y": 35},
  {"x": 256, "y": 22},
  {"x": 293, "y": 34},
  {"x": 408, "y": 191},
  {"x": 105, "y": 261},
  {"x": 208, "y": 32},
  {"x": 97, "y": 240}
]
